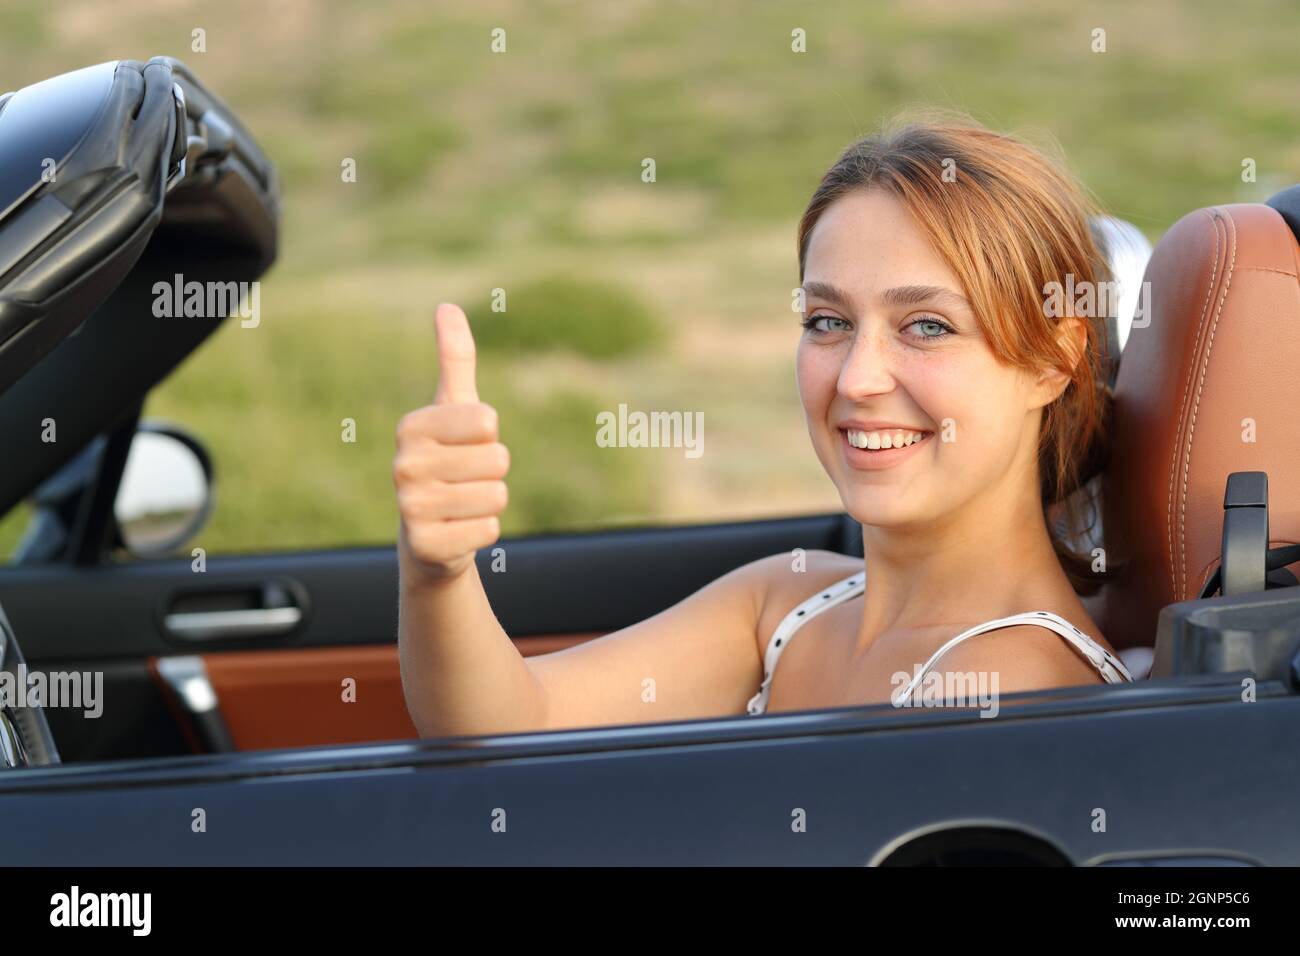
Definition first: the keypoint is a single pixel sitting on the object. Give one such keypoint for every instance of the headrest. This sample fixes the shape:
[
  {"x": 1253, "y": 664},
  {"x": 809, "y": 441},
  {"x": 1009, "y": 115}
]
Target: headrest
[{"x": 1209, "y": 384}]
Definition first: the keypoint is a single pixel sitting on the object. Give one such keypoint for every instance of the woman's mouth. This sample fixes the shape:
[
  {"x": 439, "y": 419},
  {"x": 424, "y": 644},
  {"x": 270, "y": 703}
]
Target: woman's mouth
[{"x": 881, "y": 448}]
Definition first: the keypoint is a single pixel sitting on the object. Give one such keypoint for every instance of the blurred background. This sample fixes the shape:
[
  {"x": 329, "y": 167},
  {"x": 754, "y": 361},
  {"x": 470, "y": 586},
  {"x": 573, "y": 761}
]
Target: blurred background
[{"x": 521, "y": 170}]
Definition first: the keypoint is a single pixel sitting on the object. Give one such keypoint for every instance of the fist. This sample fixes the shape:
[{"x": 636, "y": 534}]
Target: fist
[{"x": 449, "y": 469}]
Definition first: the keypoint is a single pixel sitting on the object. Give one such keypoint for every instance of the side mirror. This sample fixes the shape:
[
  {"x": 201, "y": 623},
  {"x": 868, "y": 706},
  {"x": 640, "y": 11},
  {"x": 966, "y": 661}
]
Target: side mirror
[
  {"x": 163, "y": 497},
  {"x": 165, "y": 494}
]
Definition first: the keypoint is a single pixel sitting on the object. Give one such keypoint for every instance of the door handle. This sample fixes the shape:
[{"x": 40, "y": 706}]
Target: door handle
[
  {"x": 268, "y": 609},
  {"x": 214, "y": 625}
]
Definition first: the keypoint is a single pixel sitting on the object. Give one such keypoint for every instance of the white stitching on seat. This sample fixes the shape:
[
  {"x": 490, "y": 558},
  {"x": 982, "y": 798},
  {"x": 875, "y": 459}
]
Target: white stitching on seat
[
  {"x": 1200, "y": 385},
  {"x": 1182, "y": 406}
]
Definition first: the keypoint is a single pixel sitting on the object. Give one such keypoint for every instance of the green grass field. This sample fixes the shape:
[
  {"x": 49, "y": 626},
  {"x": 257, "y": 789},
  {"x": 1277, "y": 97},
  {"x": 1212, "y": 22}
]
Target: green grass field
[{"x": 521, "y": 171}]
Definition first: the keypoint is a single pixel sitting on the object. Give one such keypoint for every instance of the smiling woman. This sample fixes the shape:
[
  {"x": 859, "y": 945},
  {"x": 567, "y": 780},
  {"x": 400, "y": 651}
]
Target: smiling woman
[
  {"x": 958, "y": 417},
  {"x": 952, "y": 412},
  {"x": 986, "y": 215}
]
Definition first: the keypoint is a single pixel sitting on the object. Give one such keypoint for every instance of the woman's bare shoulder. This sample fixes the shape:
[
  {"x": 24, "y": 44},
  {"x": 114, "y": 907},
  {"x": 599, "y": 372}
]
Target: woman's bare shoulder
[
  {"x": 1023, "y": 657},
  {"x": 791, "y": 578}
]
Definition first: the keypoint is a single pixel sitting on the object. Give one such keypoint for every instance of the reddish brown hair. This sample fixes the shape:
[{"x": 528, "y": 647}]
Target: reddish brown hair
[{"x": 1008, "y": 221}]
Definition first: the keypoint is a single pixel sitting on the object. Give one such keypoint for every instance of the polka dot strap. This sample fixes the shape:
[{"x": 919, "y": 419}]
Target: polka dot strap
[
  {"x": 836, "y": 594},
  {"x": 1110, "y": 667}
]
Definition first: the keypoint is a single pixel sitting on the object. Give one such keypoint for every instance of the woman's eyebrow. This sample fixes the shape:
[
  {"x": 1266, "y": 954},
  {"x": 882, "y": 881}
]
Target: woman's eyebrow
[
  {"x": 899, "y": 295},
  {"x": 918, "y": 294},
  {"x": 832, "y": 294}
]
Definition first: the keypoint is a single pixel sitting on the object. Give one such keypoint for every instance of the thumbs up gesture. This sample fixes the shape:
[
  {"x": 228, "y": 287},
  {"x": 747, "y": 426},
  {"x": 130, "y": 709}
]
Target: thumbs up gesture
[{"x": 450, "y": 468}]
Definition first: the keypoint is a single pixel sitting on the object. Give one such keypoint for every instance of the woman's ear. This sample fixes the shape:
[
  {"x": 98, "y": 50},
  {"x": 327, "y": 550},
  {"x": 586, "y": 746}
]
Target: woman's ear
[{"x": 1072, "y": 337}]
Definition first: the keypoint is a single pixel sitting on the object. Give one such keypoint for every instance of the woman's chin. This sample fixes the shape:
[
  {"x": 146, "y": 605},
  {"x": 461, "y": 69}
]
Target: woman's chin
[{"x": 880, "y": 508}]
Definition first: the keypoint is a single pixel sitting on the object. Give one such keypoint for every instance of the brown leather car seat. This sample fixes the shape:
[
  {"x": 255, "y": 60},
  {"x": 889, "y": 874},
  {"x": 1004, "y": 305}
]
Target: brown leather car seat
[{"x": 1208, "y": 384}]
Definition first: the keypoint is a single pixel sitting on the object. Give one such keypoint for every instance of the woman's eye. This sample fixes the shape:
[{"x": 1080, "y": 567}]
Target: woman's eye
[
  {"x": 813, "y": 322},
  {"x": 930, "y": 328}
]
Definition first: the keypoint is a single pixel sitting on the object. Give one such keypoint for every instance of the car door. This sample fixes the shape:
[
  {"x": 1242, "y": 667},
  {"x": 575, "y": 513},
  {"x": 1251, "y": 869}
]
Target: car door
[{"x": 298, "y": 648}]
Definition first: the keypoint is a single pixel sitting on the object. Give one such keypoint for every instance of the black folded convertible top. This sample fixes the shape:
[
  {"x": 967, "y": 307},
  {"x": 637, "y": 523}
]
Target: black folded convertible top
[{"x": 112, "y": 178}]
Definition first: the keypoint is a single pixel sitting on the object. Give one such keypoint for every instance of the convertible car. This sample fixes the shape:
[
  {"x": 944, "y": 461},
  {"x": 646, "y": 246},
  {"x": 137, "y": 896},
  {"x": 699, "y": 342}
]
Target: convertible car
[{"x": 220, "y": 735}]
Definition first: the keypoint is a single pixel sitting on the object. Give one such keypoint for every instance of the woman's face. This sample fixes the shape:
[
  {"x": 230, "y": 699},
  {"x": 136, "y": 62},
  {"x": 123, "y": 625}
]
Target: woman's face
[{"x": 894, "y": 349}]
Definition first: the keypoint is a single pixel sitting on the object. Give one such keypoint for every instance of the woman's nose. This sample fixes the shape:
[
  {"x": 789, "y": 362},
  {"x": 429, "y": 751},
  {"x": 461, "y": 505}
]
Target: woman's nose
[{"x": 867, "y": 369}]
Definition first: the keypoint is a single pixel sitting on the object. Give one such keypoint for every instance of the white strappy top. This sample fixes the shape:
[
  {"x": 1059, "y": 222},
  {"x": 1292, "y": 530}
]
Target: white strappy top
[{"x": 1111, "y": 668}]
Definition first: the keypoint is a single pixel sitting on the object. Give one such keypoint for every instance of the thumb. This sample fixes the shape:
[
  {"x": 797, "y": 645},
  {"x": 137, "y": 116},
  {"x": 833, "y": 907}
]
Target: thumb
[{"x": 456, "y": 357}]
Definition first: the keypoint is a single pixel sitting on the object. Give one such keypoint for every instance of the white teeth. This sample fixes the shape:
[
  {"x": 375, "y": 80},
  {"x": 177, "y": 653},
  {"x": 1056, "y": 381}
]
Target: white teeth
[{"x": 883, "y": 439}]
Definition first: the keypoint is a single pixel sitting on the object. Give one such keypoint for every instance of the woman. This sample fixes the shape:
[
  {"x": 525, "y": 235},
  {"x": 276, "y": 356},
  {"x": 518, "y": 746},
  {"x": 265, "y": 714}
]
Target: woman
[{"x": 955, "y": 411}]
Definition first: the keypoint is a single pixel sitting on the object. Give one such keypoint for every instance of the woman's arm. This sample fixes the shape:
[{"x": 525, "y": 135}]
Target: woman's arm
[
  {"x": 697, "y": 658},
  {"x": 461, "y": 673}
]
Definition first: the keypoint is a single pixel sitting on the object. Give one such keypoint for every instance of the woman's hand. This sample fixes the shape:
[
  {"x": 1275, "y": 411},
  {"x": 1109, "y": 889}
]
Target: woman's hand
[{"x": 449, "y": 467}]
